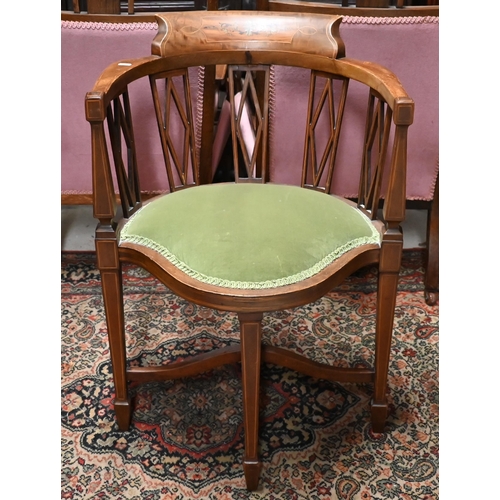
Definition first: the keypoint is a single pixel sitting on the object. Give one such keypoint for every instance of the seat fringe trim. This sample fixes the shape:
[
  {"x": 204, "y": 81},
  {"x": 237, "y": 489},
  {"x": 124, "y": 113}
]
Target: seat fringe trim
[{"x": 374, "y": 238}]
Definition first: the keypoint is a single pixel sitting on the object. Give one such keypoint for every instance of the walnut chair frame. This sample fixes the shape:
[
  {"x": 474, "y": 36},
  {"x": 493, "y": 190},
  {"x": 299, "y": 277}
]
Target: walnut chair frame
[{"x": 249, "y": 43}]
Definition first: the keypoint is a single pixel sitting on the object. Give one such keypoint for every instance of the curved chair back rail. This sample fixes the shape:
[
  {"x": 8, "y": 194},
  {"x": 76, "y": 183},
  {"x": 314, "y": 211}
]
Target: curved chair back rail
[
  {"x": 250, "y": 246},
  {"x": 383, "y": 84},
  {"x": 114, "y": 80}
]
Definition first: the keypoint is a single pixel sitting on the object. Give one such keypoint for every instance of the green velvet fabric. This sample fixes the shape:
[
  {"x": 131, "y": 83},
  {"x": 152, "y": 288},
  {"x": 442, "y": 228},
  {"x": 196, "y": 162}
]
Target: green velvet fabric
[{"x": 249, "y": 235}]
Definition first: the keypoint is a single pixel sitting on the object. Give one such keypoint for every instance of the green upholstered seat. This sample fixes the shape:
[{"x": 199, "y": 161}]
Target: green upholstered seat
[{"x": 249, "y": 235}]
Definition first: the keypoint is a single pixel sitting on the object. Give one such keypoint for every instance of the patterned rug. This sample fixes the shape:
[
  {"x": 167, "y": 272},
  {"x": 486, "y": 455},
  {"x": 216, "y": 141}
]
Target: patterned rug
[{"x": 186, "y": 439}]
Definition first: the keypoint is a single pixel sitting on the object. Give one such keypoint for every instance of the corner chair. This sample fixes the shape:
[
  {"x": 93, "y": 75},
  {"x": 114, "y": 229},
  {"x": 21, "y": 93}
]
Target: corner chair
[{"x": 253, "y": 245}]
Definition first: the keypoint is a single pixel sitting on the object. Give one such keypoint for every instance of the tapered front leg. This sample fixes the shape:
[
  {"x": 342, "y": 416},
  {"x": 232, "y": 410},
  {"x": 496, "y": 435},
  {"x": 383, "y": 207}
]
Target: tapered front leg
[
  {"x": 251, "y": 332},
  {"x": 389, "y": 266},
  {"x": 111, "y": 280}
]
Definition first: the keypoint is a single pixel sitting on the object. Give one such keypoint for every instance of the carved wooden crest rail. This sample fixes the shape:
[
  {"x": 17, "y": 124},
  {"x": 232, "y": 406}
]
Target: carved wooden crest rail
[{"x": 208, "y": 32}]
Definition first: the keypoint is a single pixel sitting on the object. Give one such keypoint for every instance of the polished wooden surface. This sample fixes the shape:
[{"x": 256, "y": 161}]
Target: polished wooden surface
[
  {"x": 228, "y": 30},
  {"x": 223, "y": 38},
  {"x": 103, "y": 6}
]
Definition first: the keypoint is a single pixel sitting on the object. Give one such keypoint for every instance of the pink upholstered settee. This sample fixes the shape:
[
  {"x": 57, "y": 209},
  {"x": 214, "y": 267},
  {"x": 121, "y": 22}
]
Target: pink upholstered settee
[
  {"x": 409, "y": 48},
  {"x": 86, "y": 49},
  {"x": 406, "y": 45}
]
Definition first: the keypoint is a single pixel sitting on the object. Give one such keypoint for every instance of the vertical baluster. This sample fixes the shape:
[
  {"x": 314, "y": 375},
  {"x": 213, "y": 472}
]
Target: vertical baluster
[
  {"x": 366, "y": 160},
  {"x": 309, "y": 146},
  {"x": 114, "y": 119},
  {"x": 336, "y": 137},
  {"x": 160, "y": 120},
  {"x": 128, "y": 131},
  {"x": 190, "y": 142}
]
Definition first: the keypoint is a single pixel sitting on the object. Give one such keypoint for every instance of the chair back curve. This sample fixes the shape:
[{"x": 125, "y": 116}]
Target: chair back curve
[{"x": 252, "y": 45}]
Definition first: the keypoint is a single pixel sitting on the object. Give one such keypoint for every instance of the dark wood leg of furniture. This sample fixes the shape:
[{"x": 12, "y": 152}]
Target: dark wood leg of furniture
[
  {"x": 113, "y": 303},
  {"x": 250, "y": 328},
  {"x": 390, "y": 260},
  {"x": 431, "y": 280}
]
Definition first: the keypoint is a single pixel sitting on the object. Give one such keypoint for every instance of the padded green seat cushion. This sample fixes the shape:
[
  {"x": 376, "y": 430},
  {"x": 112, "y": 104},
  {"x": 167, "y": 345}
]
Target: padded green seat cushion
[{"x": 249, "y": 235}]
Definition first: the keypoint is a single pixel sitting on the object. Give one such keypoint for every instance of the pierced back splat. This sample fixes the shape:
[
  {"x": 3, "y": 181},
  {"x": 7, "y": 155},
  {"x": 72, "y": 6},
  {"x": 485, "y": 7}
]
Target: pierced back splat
[
  {"x": 121, "y": 136},
  {"x": 325, "y": 111},
  {"x": 173, "y": 107},
  {"x": 249, "y": 98},
  {"x": 377, "y": 133}
]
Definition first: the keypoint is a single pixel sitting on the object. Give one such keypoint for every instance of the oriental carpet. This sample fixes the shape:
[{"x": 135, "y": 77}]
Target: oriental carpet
[{"x": 186, "y": 436}]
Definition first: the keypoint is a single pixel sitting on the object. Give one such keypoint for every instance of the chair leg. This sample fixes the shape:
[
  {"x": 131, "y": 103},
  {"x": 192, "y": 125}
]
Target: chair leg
[
  {"x": 113, "y": 302},
  {"x": 251, "y": 330},
  {"x": 390, "y": 262},
  {"x": 431, "y": 279}
]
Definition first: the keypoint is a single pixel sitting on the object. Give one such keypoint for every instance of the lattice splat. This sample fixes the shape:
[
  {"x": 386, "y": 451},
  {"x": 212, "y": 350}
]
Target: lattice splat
[
  {"x": 324, "y": 118},
  {"x": 249, "y": 97},
  {"x": 377, "y": 132},
  {"x": 121, "y": 136},
  {"x": 176, "y": 126}
]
